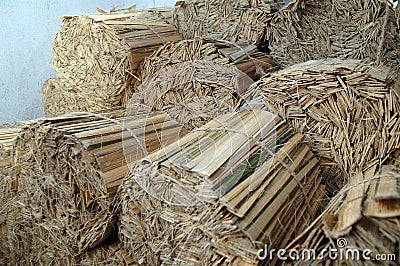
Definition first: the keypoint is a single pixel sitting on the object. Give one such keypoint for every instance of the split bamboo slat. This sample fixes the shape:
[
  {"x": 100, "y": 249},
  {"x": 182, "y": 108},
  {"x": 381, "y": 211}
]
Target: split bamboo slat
[
  {"x": 366, "y": 214},
  {"x": 218, "y": 194},
  {"x": 192, "y": 92},
  {"x": 97, "y": 57},
  {"x": 348, "y": 111},
  {"x": 8, "y": 135},
  {"x": 354, "y": 29},
  {"x": 246, "y": 58},
  {"x": 68, "y": 170},
  {"x": 230, "y": 20}
]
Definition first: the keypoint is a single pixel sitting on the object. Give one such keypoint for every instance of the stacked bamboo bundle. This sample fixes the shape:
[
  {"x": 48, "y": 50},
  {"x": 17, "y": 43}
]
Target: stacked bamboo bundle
[
  {"x": 356, "y": 29},
  {"x": 192, "y": 92},
  {"x": 96, "y": 57},
  {"x": 8, "y": 134},
  {"x": 348, "y": 111},
  {"x": 68, "y": 170},
  {"x": 246, "y": 58},
  {"x": 365, "y": 215},
  {"x": 219, "y": 193},
  {"x": 235, "y": 21}
]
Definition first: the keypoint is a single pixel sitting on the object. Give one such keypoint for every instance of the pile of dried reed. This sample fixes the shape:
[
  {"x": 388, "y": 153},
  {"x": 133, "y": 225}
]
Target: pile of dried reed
[
  {"x": 97, "y": 57},
  {"x": 219, "y": 193},
  {"x": 235, "y": 21},
  {"x": 8, "y": 134},
  {"x": 192, "y": 92},
  {"x": 365, "y": 215},
  {"x": 356, "y": 29},
  {"x": 107, "y": 254},
  {"x": 246, "y": 58},
  {"x": 348, "y": 111},
  {"x": 69, "y": 169}
]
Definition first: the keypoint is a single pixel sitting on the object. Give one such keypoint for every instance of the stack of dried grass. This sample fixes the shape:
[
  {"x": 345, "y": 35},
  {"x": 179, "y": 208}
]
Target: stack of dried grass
[
  {"x": 235, "y": 21},
  {"x": 349, "y": 111},
  {"x": 246, "y": 58},
  {"x": 96, "y": 57},
  {"x": 67, "y": 171},
  {"x": 356, "y": 29},
  {"x": 192, "y": 92},
  {"x": 365, "y": 215},
  {"x": 107, "y": 254},
  {"x": 218, "y": 194},
  {"x": 8, "y": 134}
]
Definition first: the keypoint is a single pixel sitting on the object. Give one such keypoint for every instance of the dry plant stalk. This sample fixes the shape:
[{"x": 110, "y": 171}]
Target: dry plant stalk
[
  {"x": 218, "y": 194},
  {"x": 235, "y": 21},
  {"x": 8, "y": 135},
  {"x": 372, "y": 206},
  {"x": 97, "y": 57},
  {"x": 68, "y": 170},
  {"x": 192, "y": 92},
  {"x": 246, "y": 58},
  {"x": 107, "y": 254},
  {"x": 353, "y": 29},
  {"x": 347, "y": 110}
]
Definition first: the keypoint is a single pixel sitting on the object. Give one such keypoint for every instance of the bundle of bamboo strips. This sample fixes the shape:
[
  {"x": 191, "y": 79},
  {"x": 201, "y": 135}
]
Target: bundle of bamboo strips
[
  {"x": 69, "y": 169},
  {"x": 348, "y": 111},
  {"x": 192, "y": 92},
  {"x": 235, "y": 21},
  {"x": 356, "y": 29},
  {"x": 213, "y": 197},
  {"x": 246, "y": 58},
  {"x": 8, "y": 134},
  {"x": 365, "y": 215},
  {"x": 97, "y": 56}
]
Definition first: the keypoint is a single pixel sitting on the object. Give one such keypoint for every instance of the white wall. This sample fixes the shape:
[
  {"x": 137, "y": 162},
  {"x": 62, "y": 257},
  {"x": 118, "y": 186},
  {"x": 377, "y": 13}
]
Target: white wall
[{"x": 27, "y": 29}]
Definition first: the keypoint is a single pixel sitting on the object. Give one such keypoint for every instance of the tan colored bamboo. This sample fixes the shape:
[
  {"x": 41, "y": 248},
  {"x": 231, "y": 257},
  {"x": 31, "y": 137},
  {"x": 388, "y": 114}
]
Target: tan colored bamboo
[
  {"x": 235, "y": 21},
  {"x": 355, "y": 29},
  {"x": 347, "y": 110},
  {"x": 96, "y": 57},
  {"x": 69, "y": 170},
  {"x": 221, "y": 192}
]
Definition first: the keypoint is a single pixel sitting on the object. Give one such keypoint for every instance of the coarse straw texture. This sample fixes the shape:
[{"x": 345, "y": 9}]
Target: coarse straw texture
[
  {"x": 364, "y": 215},
  {"x": 246, "y": 58},
  {"x": 347, "y": 110},
  {"x": 219, "y": 193},
  {"x": 355, "y": 29},
  {"x": 8, "y": 134},
  {"x": 230, "y": 20},
  {"x": 68, "y": 170},
  {"x": 97, "y": 57},
  {"x": 192, "y": 92}
]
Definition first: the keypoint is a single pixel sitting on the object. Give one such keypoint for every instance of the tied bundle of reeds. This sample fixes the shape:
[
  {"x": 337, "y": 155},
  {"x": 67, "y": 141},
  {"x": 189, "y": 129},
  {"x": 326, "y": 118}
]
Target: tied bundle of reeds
[
  {"x": 347, "y": 110},
  {"x": 212, "y": 198},
  {"x": 97, "y": 56},
  {"x": 246, "y": 58},
  {"x": 354, "y": 29},
  {"x": 8, "y": 134},
  {"x": 364, "y": 215},
  {"x": 235, "y": 21},
  {"x": 68, "y": 170},
  {"x": 192, "y": 92}
]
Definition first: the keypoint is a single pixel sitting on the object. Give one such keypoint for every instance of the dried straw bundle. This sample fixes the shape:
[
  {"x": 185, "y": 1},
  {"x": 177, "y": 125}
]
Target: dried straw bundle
[
  {"x": 246, "y": 58},
  {"x": 348, "y": 110},
  {"x": 107, "y": 254},
  {"x": 356, "y": 29},
  {"x": 192, "y": 92},
  {"x": 235, "y": 21},
  {"x": 219, "y": 192},
  {"x": 98, "y": 56},
  {"x": 68, "y": 174},
  {"x": 8, "y": 134},
  {"x": 364, "y": 215}
]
